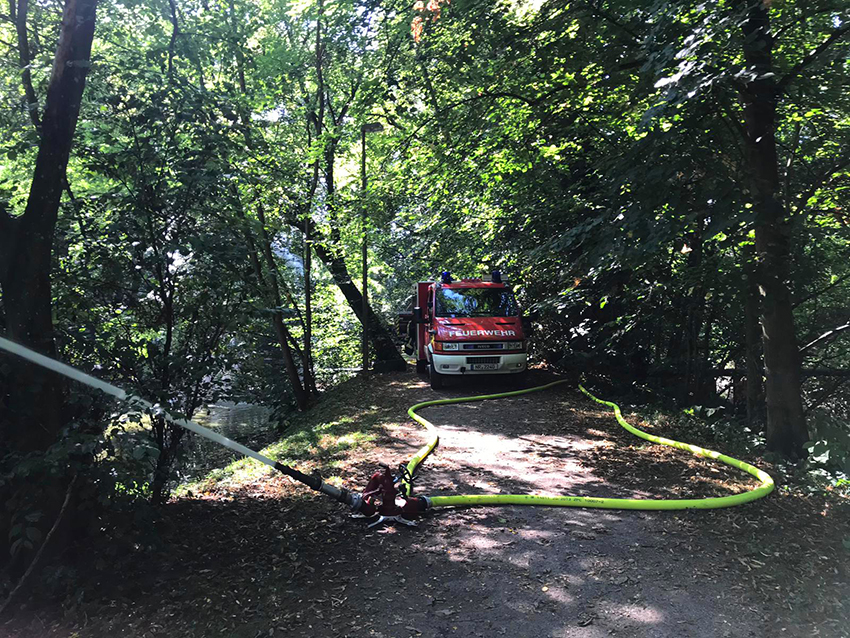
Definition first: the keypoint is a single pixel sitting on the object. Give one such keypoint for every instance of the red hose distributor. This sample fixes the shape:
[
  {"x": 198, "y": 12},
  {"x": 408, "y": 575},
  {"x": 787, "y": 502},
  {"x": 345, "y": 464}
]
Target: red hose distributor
[{"x": 380, "y": 496}]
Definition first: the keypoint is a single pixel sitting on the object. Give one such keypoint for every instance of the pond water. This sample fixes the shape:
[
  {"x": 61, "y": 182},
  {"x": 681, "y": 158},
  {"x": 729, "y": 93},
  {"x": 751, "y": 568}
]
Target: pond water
[{"x": 242, "y": 422}]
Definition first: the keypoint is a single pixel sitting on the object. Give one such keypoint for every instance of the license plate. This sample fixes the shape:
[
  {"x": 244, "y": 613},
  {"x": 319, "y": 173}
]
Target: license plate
[{"x": 485, "y": 366}]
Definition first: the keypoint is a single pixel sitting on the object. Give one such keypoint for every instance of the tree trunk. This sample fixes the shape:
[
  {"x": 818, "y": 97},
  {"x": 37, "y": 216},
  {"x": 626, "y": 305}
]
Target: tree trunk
[
  {"x": 168, "y": 439},
  {"x": 308, "y": 315},
  {"x": 381, "y": 339},
  {"x": 280, "y": 329},
  {"x": 32, "y": 414},
  {"x": 755, "y": 365},
  {"x": 693, "y": 379},
  {"x": 20, "y": 19},
  {"x": 706, "y": 387},
  {"x": 786, "y": 431},
  {"x": 318, "y": 121},
  {"x": 299, "y": 390},
  {"x": 786, "y": 426}
]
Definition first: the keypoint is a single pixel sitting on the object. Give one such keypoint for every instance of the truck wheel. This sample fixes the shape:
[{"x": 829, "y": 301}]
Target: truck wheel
[
  {"x": 435, "y": 378},
  {"x": 422, "y": 366}
]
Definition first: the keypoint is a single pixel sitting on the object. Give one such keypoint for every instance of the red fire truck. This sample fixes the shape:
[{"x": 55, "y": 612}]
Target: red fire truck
[{"x": 470, "y": 326}]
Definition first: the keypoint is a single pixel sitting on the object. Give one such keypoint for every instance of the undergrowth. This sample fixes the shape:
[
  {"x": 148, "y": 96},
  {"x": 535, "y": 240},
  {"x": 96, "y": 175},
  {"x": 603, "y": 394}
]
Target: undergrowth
[
  {"x": 318, "y": 439},
  {"x": 713, "y": 427}
]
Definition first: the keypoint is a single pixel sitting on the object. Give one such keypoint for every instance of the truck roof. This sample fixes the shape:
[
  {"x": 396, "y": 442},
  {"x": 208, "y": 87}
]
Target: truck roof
[{"x": 471, "y": 283}]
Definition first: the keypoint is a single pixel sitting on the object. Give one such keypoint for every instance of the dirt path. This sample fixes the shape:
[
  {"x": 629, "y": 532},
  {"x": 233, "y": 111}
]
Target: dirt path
[{"x": 265, "y": 560}]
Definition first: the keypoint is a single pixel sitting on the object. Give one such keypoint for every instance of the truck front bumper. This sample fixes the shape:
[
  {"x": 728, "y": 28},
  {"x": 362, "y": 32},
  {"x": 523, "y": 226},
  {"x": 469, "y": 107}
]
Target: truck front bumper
[{"x": 469, "y": 364}]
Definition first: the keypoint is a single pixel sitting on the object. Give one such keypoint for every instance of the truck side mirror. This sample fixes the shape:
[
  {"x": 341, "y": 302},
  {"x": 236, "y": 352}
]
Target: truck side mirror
[{"x": 417, "y": 315}]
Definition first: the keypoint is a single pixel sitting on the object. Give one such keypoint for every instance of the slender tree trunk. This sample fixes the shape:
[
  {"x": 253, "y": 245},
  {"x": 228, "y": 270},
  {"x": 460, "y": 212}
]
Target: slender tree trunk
[
  {"x": 786, "y": 431},
  {"x": 755, "y": 365},
  {"x": 20, "y": 19},
  {"x": 299, "y": 389},
  {"x": 380, "y": 336},
  {"x": 318, "y": 121},
  {"x": 175, "y": 33},
  {"x": 706, "y": 384},
  {"x": 381, "y": 339},
  {"x": 32, "y": 412},
  {"x": 308, "y": 311},
  {"x": 271, "y": 292},
  {"x": 168, "y": 441},
  {"x": 695, "y": 316},
  {"x": 281, "y": 331}
]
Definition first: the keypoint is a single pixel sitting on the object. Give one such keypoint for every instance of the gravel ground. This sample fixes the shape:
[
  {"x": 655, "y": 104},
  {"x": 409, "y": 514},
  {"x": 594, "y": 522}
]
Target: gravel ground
[{"x": 266, "y": 559}]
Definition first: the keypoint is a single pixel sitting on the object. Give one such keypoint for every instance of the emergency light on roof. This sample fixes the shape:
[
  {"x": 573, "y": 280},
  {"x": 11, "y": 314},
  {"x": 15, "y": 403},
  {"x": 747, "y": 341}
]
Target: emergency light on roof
[{"x": 495, "y": 277}]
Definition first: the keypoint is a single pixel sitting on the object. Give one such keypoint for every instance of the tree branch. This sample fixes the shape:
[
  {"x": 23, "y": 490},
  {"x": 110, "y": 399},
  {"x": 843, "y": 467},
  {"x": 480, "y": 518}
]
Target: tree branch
[
  {"x": 826, "y": 335},
  {"x": 733, "y": 119},
  {"x": 820, "y": 181},
  {"x": 820, "y": 292},
  {"x": 806, "y": 61},
  {"x": 41, "y": 549},
  {"x": 484, "y": 95},
  {"x": 609, "y": 18},
  {"x": 24, "y": 57},
  {"x": 825, "y": 394},
  {"x": 7, "y": 236},
  {"x": 808, "y": 13},
  {"x": 175, "y": 32}
]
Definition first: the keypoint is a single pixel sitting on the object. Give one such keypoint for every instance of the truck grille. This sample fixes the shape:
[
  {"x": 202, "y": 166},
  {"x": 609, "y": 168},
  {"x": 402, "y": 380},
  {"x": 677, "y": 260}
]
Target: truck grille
[
  {"x": 471, "y": 360},
  {"x": 484, "y": 346}
]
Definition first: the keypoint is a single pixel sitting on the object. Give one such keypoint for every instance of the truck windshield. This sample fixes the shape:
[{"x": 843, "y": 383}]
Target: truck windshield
[{"x": 476, "y": 302}]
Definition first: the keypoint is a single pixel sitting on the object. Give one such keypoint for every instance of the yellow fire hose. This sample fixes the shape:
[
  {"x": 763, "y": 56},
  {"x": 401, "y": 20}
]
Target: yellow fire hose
[
  {"x": 357, "y": 501},
  {"x": 468, "y": 500}
]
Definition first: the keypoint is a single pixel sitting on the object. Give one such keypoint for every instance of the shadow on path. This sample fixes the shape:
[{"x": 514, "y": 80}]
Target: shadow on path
[{"x": 269, "y": 559}]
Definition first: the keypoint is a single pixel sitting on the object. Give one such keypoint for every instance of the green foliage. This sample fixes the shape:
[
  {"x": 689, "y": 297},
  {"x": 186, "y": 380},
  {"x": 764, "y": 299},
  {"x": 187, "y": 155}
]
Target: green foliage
[
  {"x": 830, "y": 444},
  {"x": 593, "y": 152}
]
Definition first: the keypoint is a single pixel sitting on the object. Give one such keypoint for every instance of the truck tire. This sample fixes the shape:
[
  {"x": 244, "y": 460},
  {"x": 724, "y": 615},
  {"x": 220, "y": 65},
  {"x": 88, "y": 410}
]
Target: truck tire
[
  {"x": 435, "y": 378},
  {"x": 421, "y": 366}
]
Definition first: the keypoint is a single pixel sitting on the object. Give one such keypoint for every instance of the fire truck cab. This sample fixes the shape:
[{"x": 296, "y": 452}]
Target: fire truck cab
[{"x": 465, "y": 327}]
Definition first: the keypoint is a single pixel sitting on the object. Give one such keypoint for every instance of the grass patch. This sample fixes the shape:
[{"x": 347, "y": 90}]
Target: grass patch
[{"x": 351, "y": 417}]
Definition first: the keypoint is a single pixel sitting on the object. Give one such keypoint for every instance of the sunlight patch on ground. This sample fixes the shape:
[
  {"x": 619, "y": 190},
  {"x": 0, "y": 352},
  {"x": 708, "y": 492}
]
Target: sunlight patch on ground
[
  {"x": 602, "y": 435},
  {"x": 498, "y": 456},
  {"x": 322, "y": 446},
  {"x": 644, "y": 615}
]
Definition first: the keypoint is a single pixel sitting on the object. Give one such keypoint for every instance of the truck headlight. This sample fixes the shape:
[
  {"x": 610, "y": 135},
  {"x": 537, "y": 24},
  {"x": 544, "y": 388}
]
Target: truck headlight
[
  {"x": 516, "y": 345},
  {"x": 444, "y": 345}
]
